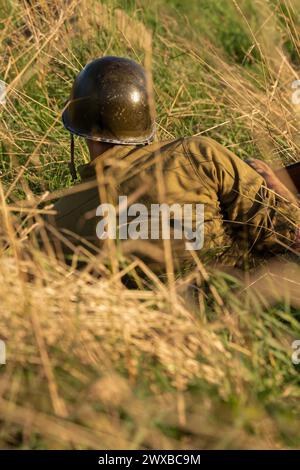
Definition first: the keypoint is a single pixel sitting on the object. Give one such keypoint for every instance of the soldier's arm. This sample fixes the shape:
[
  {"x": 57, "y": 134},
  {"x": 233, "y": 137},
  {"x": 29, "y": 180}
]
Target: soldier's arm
[{"x": 255, "y": 213}]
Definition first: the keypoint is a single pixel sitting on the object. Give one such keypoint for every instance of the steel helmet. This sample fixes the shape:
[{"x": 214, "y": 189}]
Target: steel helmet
[{"x": 110, "y": 102}]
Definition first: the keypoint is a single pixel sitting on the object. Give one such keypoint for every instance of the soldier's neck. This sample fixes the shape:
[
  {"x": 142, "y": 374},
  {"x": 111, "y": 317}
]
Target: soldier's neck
[{"x": 97, "y": 148}]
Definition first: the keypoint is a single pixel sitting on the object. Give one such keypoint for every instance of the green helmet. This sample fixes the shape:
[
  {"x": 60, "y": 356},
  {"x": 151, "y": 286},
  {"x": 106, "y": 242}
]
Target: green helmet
[{"x": 109, "y": 102}]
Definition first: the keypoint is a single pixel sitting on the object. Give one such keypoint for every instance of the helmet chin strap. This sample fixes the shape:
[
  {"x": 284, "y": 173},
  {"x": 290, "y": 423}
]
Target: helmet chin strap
[{"x": 72, "y": 167}]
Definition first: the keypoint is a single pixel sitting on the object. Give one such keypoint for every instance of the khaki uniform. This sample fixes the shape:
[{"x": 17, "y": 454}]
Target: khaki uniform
[{"x": 241, "y": 215}]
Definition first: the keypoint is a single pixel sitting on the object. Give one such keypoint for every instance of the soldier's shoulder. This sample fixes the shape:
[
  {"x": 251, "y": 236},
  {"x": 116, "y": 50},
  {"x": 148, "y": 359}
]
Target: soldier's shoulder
[
  {"x": 180, "y": 144},
  {"x": 201, "y": 146},
  {"x": 199, "y": 140},
  {"x": 178, "y": 149},
  {"x": 162, "y": 145}
]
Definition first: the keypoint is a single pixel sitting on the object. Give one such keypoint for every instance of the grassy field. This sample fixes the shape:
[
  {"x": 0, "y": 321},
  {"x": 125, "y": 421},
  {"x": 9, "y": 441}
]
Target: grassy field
[{"x": 92, "y": 365}]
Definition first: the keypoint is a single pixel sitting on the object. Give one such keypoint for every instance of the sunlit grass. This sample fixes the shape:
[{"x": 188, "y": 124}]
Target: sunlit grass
[{"x": 91, "y": 364}]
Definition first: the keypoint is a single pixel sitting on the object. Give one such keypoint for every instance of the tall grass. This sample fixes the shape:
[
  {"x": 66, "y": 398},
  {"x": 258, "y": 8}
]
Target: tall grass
[{"x": 91, "y": 364}]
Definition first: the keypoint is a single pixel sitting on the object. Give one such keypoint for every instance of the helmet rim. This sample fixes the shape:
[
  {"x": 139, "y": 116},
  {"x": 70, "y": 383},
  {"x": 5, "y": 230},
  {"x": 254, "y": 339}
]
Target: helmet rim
[{"x": 96, "y": 138}]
